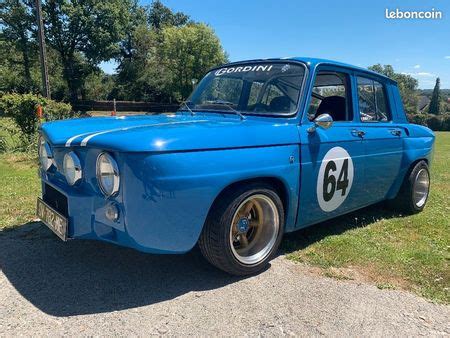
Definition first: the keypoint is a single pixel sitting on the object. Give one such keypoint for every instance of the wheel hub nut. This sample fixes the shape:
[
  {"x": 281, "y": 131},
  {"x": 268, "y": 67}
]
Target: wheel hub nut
[{"x": 243, "y": 225}]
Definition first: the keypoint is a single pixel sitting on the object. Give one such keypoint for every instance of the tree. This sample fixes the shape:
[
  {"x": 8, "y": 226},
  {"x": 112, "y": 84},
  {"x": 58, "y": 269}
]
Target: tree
[
  {"x": 85, "y": 33},
  {"x": 189, "y": 52},
  {"x": 98, "y": 86},
  {"x": 143, "y": 76},
  {"x": 138, "y": 18},
  {"x": 17, "y": 21},
  {"x": 161, "y": 16},
  {"x": 164, "y": 55},
  {"x": 434, "y": 107},
  {"x": 406, "y": 84}
]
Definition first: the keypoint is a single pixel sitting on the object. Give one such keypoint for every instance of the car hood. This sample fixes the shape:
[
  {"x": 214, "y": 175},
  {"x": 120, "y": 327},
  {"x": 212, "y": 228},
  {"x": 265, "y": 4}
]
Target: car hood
[{"x": 162, "y": 133}]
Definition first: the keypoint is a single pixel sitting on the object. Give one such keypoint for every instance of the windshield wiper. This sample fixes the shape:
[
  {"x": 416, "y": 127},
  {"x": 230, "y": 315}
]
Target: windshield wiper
[
  {"x": 228, "y": 105},
  {"x": 185, "y": 103}
]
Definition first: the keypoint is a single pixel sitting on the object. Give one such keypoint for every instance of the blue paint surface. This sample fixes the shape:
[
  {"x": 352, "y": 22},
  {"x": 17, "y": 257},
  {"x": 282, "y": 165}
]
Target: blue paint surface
[{"x": 173, "y": 167}]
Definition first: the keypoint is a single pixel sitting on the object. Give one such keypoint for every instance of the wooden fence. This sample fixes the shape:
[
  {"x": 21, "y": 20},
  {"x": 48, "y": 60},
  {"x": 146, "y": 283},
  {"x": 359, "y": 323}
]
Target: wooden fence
[{"x": 123, "y": 106}]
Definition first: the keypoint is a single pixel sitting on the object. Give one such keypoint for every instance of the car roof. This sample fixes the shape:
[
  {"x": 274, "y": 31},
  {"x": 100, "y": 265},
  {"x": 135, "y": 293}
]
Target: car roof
[{"x": 313, "y": 62}]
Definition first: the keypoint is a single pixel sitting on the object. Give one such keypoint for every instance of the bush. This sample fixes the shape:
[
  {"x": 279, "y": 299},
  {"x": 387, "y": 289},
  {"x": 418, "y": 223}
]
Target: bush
[
  {"x": 446, "y": 122},
  {"x": 10, "y": 136},
  {"x": 418, "y": 119},
  {"x": 434, "y": 122},
  {"x": 22, "y": 109}
]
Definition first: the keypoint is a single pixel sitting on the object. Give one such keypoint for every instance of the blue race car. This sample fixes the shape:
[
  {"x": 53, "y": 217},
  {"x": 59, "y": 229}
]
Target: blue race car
[{"x": 260, "y": 148}]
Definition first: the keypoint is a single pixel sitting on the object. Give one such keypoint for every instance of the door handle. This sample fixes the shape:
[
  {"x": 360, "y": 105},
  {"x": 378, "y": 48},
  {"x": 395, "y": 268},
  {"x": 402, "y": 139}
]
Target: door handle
[
  {"x": 396, "y": 132},
  {"x": 358, "y": 133}
]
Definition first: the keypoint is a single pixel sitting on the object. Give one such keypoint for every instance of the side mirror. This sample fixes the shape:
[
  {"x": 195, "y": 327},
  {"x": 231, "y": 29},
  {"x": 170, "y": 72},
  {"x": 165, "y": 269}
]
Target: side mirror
[{"x": 323, "y": 121}]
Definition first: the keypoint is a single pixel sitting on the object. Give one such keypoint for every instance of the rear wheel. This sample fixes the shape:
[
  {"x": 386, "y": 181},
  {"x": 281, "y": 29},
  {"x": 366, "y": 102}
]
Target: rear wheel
[
  {"x": 413, "y": 194},
  {"x": 243, "y": 229}
]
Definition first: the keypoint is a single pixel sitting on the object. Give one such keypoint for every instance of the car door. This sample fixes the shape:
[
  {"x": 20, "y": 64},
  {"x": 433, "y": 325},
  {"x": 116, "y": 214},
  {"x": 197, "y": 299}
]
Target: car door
[
  {"x": 332, "y": 166},
  {"x": 382, "y": 137}
]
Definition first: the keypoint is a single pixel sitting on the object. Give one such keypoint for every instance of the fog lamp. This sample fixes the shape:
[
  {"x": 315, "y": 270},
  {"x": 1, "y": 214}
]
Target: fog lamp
[{"x": 112, "y": 212}]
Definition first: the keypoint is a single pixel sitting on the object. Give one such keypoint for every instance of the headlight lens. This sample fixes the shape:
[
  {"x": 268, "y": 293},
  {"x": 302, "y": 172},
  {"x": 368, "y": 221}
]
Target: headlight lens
[
  {"x": 72, "y": 168},
  {"x": 107, "y": 174},
  {"x": 45, "y": 154}
]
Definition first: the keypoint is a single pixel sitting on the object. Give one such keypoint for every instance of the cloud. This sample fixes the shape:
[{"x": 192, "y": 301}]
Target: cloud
[
  {"x": 416, "y": 67},
  {"x": 430, "y": 82},
  {"x": 420, "y": 74},
  {"x": 447, "y": 57},
  {"x": 424, "y": 74}
]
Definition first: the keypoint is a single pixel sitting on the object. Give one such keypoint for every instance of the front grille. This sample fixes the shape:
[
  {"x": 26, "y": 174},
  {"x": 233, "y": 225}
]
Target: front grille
[{"x": 56, "y": 200}]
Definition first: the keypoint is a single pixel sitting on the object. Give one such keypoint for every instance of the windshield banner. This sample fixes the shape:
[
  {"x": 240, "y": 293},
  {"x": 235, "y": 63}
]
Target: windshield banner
[{"x": 244, "y": 69}]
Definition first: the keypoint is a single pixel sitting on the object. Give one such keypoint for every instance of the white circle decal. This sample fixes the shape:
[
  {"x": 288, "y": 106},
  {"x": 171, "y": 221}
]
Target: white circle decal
[{"x": 335, "y": 179}]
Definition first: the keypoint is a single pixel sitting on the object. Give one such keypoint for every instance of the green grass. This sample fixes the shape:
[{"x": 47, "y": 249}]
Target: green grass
[
  {"x": 390, "y": 250},
  {"x": 9, "y": 135},
  {"x": 19, "y": 187}
]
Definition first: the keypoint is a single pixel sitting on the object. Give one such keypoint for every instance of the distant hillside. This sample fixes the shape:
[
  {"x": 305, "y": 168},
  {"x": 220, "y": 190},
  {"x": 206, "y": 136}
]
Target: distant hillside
[{"x": 428, "y": 92}]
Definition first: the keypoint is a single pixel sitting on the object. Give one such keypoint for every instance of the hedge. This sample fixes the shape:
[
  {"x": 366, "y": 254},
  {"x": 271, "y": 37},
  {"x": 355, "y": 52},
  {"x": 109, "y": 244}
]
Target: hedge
[
  {"x": 434, "y": 122},
  {"x": 22, "y": 109}
]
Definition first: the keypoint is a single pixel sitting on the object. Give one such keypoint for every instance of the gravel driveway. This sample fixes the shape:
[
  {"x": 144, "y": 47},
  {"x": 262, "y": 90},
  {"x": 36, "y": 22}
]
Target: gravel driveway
[{"x": 86, "y": 288}]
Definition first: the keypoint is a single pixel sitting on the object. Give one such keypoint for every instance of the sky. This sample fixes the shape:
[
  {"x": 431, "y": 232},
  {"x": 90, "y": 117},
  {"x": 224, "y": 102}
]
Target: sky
[{"x": 355, "y": 32}]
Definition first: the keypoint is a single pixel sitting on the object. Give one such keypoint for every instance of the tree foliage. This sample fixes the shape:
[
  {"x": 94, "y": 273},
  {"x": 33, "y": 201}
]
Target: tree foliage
[
  {"x": 161, "y": 16},
  {"x": 435, "y": 103},
  {"x": 17, "y": 44},
  {"x": 22, "y": 109},
  {"x": 165, "y": 55},
  {"x": 189, "y": 52},
  {"x": 159, "y": 51},
  {"x": 85, "y": 33},
  {"x": 406, "y": 84}
]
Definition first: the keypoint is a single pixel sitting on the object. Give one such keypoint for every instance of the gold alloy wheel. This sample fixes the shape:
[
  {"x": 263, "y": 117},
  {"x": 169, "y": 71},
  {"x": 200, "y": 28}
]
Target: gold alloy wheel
[{"x": 254, "y": 229}]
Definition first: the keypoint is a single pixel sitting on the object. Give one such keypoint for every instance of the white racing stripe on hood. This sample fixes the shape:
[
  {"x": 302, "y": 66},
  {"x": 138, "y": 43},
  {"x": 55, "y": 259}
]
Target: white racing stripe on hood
[
  {"x": 70, "y": 140},
  {"x": 86, "y": 139}
]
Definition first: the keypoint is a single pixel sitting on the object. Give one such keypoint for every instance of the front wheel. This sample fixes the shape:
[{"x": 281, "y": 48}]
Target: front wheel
[
  {"x": 243, "y": 229},
  {"x": 413, "y": 194}
]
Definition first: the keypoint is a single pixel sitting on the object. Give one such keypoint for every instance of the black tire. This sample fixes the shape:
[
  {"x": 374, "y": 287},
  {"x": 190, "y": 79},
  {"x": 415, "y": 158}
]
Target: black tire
[
  {"x": 214, "y": 241},
  {"x": 405, "y": 201}
]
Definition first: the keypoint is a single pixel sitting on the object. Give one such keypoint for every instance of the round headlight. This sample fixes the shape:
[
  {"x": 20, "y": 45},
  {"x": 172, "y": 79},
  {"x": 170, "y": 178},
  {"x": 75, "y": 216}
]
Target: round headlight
[
  {"x": 45, "y": 154},
  {"x": 72, "y": 168},
  {"x": 107, "y": 174}
]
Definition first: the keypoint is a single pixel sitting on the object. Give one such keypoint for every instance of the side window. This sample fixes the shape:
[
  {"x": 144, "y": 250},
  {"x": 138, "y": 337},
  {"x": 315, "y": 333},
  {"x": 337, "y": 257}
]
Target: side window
[
  {"x": 372, "y": 101},
  {"x": 331, "y": 95}
]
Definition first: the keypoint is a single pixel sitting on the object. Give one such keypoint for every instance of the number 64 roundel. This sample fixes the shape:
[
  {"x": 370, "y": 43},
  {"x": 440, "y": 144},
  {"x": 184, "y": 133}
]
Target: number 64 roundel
[{"x": 335, "y": 179}]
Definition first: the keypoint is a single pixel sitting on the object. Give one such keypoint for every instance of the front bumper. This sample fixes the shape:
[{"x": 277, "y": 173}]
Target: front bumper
[{"x": 86, "y": 216}]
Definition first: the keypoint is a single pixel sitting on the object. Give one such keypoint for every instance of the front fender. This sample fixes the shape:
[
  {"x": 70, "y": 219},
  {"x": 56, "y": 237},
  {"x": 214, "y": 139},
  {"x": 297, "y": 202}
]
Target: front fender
[{"x": 167, "y": 196}]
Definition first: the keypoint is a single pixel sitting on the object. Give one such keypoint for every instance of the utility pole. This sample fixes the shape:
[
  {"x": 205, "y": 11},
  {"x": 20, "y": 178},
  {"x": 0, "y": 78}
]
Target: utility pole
[{"x": 43, "y": 54}]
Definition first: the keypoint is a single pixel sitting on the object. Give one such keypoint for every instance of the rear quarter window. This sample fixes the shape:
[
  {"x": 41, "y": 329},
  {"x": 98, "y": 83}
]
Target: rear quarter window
[{"x": 372, "y": 101}]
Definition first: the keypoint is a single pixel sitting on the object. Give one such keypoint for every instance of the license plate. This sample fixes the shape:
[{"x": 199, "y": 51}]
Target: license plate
[{"x": 53, "y": 219}]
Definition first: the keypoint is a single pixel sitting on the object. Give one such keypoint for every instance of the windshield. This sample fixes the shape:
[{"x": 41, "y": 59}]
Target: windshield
[{"x": 259, "y": 88}]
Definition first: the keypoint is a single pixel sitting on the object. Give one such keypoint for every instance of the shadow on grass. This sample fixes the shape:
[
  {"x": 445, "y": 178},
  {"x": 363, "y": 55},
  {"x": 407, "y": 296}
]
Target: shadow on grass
[
  {"x": 85, "y": 277},
  {"x": 303, "y": 238}
]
